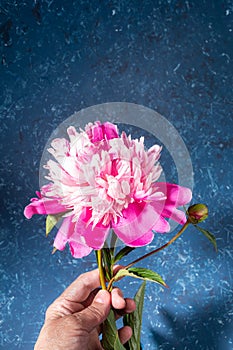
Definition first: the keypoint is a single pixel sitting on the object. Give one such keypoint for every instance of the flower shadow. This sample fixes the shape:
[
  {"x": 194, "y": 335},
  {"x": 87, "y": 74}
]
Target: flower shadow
[{"x": 208, "y": 328}]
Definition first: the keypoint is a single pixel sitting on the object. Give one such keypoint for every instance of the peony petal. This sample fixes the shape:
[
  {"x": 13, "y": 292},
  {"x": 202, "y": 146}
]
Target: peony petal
[
  {"x": 68, "y": 234},
  {"x": 79, "y": 250},
  {"x": 110, "y": 131},
  {"x": 94, "y": 237},
  {"x": 176, "y": 215},
  {"x": 98, "y": 132},
  {"x": 138, "y": 219},
  {"x": 64, "y": 233},
  {"x": 60, "y": 148},
  {"x": 143, "y": 240},
  {"x": 161, "y": 225},
  {"x": 175, "y": 196},
  {"x": 43, "y": 206}
]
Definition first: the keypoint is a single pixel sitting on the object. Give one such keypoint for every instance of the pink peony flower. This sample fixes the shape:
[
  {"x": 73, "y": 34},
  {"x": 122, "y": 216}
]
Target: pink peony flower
[{"x": 102, "y": 180}]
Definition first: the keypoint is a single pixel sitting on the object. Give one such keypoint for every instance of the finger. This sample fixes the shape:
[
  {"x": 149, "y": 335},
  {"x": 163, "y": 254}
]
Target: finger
[
  {"x": 127, "y": 305},
  {"x": 71, "y": 300},
  {"x": 125, "y": 333},
  {"x": 96, "y": 313},
  {"x": 130, "y": 307},
  {"x": 79, "y": 290},
  {"x": 84, "y": 284},
  {"x": 90, "y": 298},
  {"x": 117, "y": 299}
]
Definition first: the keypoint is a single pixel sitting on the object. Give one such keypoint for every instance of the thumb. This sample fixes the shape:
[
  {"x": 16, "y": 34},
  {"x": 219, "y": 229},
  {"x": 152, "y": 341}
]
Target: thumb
[{"x": 97, "y": 312}]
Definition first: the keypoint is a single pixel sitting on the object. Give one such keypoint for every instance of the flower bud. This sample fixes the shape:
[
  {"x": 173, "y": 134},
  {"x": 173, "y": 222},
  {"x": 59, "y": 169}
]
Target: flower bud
[{"x": 197, "y": 213}]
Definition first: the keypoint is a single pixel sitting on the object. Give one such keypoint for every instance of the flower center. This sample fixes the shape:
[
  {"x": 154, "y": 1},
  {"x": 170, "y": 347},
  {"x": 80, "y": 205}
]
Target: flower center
[{"x": 117, "y": 190}]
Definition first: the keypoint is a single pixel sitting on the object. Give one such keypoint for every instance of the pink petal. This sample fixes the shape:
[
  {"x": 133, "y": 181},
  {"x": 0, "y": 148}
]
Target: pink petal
[
  {"x": 79, "y": 250},
  {"x": 43, "y": 206},
  {"x": 176, "y": 196},
  {"x": 60, "y": 148},
  {"x": 143, "y": 240},
  {"x": 65, "y": 231},
  {"x": 45, "y": 190},
  {"x": 99, "y": 132},
  {"x": 95, "y": 237},
  {"x": 110, "y": 131},
  {"x": 138, "y": 219},
  {"x": 176, "y": 215},
  {"x": 161, "y": 225},
  {"x": 68, "y": 234}
]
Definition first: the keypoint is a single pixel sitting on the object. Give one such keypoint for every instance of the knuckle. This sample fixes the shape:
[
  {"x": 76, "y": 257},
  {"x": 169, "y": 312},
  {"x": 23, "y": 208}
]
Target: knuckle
[{"x": 96, "y": 312}]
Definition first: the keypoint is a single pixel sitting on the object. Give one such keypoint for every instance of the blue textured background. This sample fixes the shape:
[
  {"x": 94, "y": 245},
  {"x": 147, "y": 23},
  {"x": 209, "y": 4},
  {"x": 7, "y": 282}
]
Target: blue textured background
[{"x": 172, "y": 56}]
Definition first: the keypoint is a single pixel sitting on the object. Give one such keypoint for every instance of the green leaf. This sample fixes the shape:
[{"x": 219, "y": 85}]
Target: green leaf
[
  {"x": 125, "y": 251},
  {"x": 51, "y": 221},
  {"x": 209, "y": 235},
  {"x": 134, "y": 320},
  {"x": 142, "y": 273},
  {"x": 110, "y": 339}
]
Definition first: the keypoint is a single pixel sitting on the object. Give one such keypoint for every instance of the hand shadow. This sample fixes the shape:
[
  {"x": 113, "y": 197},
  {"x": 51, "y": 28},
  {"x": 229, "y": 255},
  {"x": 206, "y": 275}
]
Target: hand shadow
[{"x": 204, "y": 330}]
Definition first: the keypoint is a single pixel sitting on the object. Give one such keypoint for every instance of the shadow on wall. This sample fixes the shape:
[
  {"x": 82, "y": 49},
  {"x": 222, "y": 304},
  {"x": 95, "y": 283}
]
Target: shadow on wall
[{"x": 207, "y": 329}]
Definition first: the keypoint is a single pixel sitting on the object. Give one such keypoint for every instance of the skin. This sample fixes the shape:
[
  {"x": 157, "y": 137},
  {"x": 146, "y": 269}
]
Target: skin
[{"x": 74, "y": 320}]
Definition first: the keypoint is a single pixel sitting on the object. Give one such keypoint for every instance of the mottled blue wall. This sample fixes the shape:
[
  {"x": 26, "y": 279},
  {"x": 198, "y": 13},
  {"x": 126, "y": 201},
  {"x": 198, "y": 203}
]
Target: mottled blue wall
[{"x": 175, "y": 57}]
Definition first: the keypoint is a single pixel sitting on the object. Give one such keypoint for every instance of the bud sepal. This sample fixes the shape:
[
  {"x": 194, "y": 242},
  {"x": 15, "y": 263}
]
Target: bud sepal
[{"x": 197, "y": 213}]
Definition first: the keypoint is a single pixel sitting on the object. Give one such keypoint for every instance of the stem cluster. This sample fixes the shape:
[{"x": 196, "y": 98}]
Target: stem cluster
[{"x": 111, "y": 280}]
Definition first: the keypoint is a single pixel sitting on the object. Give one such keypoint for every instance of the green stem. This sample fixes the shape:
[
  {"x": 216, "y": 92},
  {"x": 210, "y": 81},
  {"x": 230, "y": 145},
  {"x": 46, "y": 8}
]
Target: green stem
[
  {"x": 113, "y": 242},
  {"x": 160, "y": 248},
  {"x": 109, "y": 289},
  {"x": 101, "y": 270},
  {"x": 153, "y": 252}
]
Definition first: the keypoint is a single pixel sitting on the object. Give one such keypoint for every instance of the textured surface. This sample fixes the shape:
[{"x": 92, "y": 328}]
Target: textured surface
[{"x": 172, "y": 56}]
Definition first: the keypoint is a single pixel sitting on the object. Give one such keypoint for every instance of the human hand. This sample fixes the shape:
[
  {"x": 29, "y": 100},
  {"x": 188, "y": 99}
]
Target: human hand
[{"x": 73, "y": 321}]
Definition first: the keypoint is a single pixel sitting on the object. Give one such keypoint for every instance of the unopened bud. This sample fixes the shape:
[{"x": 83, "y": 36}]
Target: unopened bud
[{"x": 197, "y": 213}]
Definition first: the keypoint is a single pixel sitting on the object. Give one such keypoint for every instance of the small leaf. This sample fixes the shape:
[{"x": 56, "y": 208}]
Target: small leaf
[
  {"x": 51, "y": 221},
  {"x": 54, "y": 250},
  {"x": 110, "y": 339},
  {"x": 125, "y": 251},
  {"x": 209, "y": 235},
  {"x": 142, "y": 273},
  {"x": 134, "y": 320}
]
